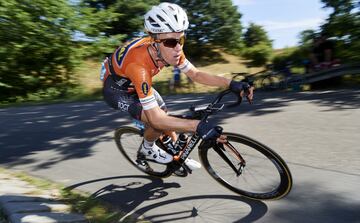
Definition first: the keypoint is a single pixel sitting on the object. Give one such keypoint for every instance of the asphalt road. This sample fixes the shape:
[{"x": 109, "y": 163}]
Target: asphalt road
[{"x": 317, "y": 133}]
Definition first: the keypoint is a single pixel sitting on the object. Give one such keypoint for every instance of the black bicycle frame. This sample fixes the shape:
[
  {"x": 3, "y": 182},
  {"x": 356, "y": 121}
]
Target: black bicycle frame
[
  {"x": 184, "y": 153},
  {"x": 218, "y": 147}
]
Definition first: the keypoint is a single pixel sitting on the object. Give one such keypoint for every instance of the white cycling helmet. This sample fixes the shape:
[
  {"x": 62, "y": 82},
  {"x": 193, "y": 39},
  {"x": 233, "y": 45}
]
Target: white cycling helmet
[{"x": 166, "y": 18}]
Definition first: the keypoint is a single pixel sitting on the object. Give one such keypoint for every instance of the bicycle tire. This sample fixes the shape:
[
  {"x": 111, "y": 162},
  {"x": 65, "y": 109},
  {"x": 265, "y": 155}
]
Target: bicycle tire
[
  {"x": 128, "y": 140},
  {"x": 261, "y": 161}
]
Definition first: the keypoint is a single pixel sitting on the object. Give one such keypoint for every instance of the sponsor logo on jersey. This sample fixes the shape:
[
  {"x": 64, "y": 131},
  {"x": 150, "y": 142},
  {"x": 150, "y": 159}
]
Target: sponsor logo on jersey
[
  {"x": 123, "y": 106},
  {"x": 145, "y": 88}
]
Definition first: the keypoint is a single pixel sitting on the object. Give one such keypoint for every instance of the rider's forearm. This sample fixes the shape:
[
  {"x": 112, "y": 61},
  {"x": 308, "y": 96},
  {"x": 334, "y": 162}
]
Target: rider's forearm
[{"x": 207, "y": 79}]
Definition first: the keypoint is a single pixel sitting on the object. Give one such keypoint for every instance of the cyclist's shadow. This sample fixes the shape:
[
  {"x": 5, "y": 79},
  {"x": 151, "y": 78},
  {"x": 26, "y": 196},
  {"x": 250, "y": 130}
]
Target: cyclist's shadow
[
  {"x": 129, "y": 192},
  {"x": 127, "y": 195}
]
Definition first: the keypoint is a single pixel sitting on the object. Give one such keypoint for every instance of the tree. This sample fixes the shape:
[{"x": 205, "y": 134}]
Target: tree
[
  {"x": 306, "y": 37},
  {"x": 129, "y": 18},
  {"x": 259, "y": 46},
  {"x": 344, "y": 24},
  {"x": 94, "y": 23},
  {"x": 255, "y": 35},
  {"x": 258, "y": 54},
  {"x": 36, "y": 49}
]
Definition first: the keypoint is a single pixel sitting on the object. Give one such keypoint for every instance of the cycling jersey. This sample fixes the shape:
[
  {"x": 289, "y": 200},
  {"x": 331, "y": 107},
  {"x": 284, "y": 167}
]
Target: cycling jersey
[{"x": 133, "y": 62}]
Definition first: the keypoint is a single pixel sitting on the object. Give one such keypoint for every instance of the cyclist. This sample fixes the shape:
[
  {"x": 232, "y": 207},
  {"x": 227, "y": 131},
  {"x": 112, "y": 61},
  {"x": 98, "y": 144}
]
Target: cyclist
[
  {"x": 128, "y": 72},
  {"x": 322, "y": 54}
]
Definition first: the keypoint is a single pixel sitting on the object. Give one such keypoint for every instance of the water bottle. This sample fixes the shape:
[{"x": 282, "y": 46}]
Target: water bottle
[
  {"x": 167, "y": 142},
  {"x": 181, "y": 142}
]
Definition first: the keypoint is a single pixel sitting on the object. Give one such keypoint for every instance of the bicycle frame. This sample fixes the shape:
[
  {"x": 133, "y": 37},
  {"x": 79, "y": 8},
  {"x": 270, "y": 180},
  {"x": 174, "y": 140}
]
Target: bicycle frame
[
  {"x": 203, "y": 114},
  {"x": 184, "y": 153}
]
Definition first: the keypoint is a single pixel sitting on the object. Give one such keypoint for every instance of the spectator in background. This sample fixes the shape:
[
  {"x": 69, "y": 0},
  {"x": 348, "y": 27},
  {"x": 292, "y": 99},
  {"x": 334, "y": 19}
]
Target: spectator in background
[
  {"x": 322, "y": 53},
  {"x": 176, "y": 80}
]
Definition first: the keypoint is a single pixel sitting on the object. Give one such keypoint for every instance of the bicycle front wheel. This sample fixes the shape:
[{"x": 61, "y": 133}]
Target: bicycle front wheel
[
  {"x": 128, "y": 141},
  {"x": 248, "y": 168}
]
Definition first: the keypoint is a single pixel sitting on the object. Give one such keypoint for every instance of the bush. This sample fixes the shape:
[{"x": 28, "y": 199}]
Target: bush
[
  {"x": 259, "y": 54},
  {"x": 296, "y": 56}
]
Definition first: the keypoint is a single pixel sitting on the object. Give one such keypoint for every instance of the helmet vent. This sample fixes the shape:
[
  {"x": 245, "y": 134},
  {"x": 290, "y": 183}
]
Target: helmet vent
[
  {"x": 161, "y": 18},
  {"x": 170, "y": 27},
  {"x": 153, "y": 23}
]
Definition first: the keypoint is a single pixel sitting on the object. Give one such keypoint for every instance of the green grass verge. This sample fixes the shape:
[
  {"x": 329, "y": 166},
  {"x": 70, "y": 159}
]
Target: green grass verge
[{"x": 80, "y": 202}]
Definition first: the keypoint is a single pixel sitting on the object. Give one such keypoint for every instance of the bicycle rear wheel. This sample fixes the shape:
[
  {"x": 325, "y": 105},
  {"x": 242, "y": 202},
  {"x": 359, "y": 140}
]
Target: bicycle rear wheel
[
  {"x": 128, "y": 141},
  {"x": 264, "y": 175}
]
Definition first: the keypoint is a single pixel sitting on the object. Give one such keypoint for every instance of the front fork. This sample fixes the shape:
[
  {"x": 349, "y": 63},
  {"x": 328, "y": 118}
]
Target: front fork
[{"x": 221, "y": 148}]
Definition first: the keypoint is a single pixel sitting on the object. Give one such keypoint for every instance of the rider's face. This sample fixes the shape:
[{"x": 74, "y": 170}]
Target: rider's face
[{"x": 171, "y": 45}]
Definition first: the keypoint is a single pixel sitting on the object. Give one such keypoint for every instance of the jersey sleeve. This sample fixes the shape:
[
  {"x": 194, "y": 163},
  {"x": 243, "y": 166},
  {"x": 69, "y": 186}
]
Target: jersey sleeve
[{"x": 142, "y": 82}]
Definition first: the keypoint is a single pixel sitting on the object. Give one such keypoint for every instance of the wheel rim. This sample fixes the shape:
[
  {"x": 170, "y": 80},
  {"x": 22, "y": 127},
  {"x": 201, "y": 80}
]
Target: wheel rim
[{"x": 262, "y": 178}]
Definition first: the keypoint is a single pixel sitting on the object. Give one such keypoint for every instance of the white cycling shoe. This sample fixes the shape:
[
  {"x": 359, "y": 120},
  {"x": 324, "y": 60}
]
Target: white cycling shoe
[
  {"x": 157, "y": 154},
  {"x": 160, "y": 156}
]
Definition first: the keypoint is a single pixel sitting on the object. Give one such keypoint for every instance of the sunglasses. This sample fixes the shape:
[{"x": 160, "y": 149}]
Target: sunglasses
[{"x": 171, "y": 42}]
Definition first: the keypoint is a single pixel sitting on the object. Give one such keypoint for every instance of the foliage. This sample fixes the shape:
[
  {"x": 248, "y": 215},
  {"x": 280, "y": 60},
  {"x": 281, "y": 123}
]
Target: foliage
[
  {"x": 255, "y": 35},
  {"x": 306, "y": 37},
  {"x": 295, "y": 56},
  {"x": 94, "y": 24},
  {"x": 259, "y": 54},
  {"x": 344, "y": 24},
  {"x": 128, "y": 19},
  {"x": 101, "y": 46},
  {"x": 36, "y": 48},
  {"x": 258, "y": 46}
]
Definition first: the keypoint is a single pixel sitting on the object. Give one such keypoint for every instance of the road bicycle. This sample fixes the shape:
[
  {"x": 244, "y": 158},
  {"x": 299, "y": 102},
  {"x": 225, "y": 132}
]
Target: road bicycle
[
  {"x": 272, "y": 79},
  {"x": 253, "y": 78},
  {"x": 241, "y": 164}
]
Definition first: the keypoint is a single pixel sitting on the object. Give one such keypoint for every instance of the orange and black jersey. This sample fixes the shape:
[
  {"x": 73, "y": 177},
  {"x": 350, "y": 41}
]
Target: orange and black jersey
[{"x": 134, "y": 62}]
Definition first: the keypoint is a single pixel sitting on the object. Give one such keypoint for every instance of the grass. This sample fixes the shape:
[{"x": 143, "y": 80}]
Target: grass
[{"x": 80, "y": 202}]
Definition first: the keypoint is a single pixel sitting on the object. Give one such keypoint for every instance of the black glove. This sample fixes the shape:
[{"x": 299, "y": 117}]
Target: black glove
[
  {"x": 207, "y": 130},
  {"x": 238, "y": 86}
]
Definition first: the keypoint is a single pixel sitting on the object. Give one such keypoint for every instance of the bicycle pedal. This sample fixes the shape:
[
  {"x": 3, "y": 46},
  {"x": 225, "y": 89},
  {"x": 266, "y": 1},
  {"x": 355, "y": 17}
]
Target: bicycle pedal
[
  {"x": 180, "y": 172},
  {"x": 141, "y": 162}
]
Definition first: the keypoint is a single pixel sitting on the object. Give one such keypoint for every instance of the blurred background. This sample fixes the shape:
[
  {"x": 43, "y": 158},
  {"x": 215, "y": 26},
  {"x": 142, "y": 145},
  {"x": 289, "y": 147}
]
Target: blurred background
[{"x": 51, "y": 50}]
